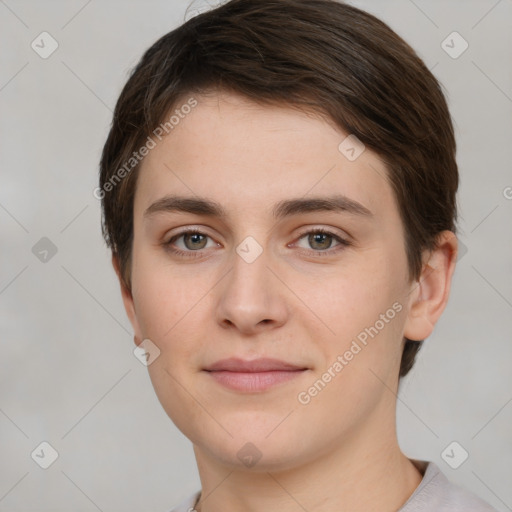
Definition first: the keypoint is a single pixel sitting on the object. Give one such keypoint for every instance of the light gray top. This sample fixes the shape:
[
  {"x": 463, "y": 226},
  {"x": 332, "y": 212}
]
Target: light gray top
[{"x": 434, "y": 494}]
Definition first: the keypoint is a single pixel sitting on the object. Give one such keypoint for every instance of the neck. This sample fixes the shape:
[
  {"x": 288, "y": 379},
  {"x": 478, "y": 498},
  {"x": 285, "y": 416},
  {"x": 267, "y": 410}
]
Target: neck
[{"x": 359, "y": 474}]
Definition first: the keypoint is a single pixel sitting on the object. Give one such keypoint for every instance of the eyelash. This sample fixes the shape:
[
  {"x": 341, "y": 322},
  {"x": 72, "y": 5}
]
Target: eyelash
[{"x": 342, "y": 243}]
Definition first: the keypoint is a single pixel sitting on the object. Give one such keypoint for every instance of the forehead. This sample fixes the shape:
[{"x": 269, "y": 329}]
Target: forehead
[{"x": 247, "y": 155}]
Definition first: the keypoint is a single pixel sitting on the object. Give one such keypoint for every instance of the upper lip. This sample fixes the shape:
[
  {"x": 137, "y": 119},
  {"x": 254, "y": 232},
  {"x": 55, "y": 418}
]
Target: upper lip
[{"x": 253, "y": 366}]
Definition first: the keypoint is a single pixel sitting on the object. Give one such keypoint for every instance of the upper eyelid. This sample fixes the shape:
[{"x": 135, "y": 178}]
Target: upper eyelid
[{"x": 327, "y": 231}]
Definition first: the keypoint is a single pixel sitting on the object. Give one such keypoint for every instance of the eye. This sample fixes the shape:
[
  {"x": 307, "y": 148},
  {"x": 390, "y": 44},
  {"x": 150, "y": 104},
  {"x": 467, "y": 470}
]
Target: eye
[
  {"x": 321, "y": 241},
  {"x": 192, "y": 241}
]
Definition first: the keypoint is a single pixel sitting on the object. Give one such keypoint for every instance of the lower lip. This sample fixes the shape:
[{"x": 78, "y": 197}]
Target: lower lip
[{"x": 253, "y": 381}]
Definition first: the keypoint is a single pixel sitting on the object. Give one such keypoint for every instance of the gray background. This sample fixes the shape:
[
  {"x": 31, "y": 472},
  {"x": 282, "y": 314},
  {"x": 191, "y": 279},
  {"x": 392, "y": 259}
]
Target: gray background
[{"x": 68, "y": 375}]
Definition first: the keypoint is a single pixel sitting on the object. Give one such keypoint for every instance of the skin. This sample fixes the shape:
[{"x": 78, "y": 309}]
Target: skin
[{"x": 339, "y": 451}]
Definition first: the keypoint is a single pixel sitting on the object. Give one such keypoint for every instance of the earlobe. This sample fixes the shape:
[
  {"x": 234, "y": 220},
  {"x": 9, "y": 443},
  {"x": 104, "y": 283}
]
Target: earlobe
[
  {"x": 128, "y": 302},
  {"x": 429, "y": 295}
]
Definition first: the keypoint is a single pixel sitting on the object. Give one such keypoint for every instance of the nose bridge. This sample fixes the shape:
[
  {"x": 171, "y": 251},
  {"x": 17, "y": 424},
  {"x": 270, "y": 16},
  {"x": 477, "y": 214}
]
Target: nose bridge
[
  {"x": 250, "y": 266},
  {"x": 251, "y": 295}
]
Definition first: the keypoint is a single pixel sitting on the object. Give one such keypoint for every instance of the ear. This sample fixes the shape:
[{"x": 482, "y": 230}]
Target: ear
[
  {"x": 129, "y": 305},
  {"x": 429, "y": 294}
]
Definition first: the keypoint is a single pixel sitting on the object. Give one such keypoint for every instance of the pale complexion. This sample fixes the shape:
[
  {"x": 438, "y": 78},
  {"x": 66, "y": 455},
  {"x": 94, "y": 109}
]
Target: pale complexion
[{"x": 302, "y": 300}]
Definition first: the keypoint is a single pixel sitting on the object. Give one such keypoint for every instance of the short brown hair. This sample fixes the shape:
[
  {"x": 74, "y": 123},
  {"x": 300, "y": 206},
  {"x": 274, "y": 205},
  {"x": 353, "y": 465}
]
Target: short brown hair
[{"x": 319, "y": 55}]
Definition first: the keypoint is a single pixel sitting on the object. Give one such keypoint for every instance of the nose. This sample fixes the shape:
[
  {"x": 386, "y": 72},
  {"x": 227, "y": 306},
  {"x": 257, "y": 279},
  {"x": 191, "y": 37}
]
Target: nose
[{"x": 251, "y": 298}]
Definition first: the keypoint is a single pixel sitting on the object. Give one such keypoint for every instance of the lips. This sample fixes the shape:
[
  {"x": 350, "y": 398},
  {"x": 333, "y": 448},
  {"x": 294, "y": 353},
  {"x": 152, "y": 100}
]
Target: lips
[
  {"x": 254, "y": 366},
  {"x": 253, "y": 376}
]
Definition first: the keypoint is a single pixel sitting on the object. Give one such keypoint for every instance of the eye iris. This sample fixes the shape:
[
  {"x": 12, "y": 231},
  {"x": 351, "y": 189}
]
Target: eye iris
[
  {"x": 195, "y": 237},
  {"x": 321, "y": 238}
]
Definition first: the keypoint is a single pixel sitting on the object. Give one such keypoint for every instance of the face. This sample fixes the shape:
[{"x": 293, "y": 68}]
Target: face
[{"x": 305, "y": 265}]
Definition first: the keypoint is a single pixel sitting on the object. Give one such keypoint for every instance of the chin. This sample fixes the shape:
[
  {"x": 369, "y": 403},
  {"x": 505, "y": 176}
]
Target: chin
[{"x": 258, "y": 455}]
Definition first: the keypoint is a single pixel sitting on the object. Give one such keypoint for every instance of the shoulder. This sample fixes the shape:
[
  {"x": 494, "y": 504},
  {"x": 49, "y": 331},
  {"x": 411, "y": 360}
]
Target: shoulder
[
  {"x": 436, "y": 492},
  {"x": 187, "y": 505}
]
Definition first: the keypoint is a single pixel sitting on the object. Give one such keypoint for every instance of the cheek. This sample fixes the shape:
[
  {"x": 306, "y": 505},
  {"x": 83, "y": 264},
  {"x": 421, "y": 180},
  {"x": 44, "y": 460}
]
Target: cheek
[
  {"x": 172, "y": 305},
  {"x": 361, "y": 314},
  {"x": 162, "y": 293},
  {"x": 167, "y": 308},
  {"x": 347, "y": 301}
]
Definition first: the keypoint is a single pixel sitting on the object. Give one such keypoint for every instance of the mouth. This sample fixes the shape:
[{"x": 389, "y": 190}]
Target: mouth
[{"x": 253, "y": 376}]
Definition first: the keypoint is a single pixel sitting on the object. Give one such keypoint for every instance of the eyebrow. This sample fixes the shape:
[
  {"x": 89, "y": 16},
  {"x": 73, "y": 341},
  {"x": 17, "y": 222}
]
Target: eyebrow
[{"x": 286, "y": 208}]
